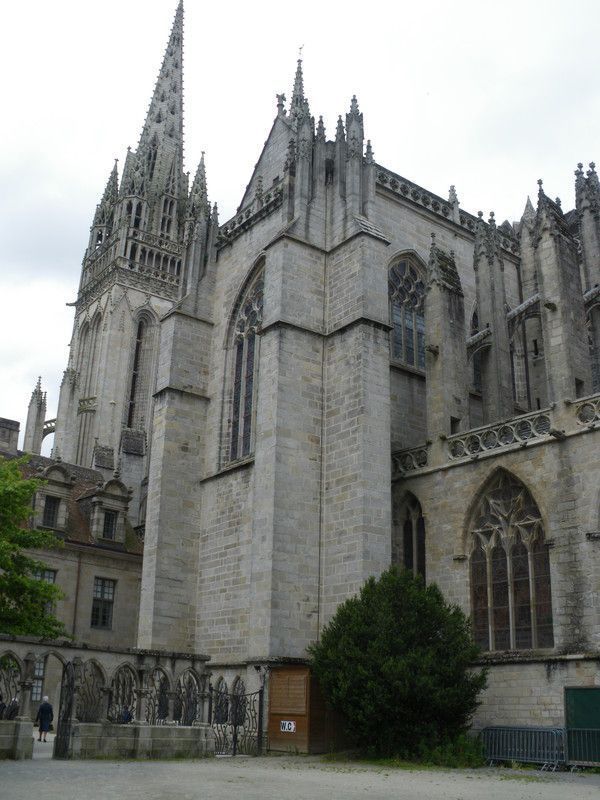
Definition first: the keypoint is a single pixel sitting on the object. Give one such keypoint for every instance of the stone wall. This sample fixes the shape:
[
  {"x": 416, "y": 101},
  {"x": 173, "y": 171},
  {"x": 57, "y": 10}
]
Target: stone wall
[
  {"x": 521, "y": 693},
  {"x": 104, "y": 740},
  {"x": 16, "y": 739}
]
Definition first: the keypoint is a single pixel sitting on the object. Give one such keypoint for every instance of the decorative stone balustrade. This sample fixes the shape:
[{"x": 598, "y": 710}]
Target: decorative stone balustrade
[
  {"x": 153, "y": 272},
  {"x": 519, "y": 430},
  {"x": 263, "y": 204},
  {"x": 437, "y": 205},
  {"x": 587, "y": 410},
  {"x": 409, "y": 460}
]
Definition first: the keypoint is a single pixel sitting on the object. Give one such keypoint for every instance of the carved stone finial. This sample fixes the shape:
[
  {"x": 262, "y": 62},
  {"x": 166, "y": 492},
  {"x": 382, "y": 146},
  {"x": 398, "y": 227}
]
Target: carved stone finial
[
  {"x": 280, "y": 104},
  {"x": 339, "y": 132},
  {"x": 480, "y": 214},
  {"x": 557, "y": 201},
  {"x": 369, "y": 153},
  {"x": 452, "y": 196}
]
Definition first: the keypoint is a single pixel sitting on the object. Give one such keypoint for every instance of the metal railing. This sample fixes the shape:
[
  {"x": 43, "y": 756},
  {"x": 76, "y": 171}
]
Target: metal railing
[
  {"x": 583, "y": 747},
  {"x": 545, "y": 746}
]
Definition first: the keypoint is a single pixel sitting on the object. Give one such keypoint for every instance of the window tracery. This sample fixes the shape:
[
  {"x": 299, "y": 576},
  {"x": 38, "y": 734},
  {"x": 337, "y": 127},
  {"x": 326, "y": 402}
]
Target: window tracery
[
  {"x": 413, "y": 537},
  {"x": 245, "y": 359},
  {"x": 406, "y": 290},
  {"x": 510, "y": 570},
  {"x": 141, "y": 375}
]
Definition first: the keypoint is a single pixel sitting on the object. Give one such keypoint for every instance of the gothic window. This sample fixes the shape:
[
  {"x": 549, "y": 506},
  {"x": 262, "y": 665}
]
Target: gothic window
[
  {"x": 593, "y": 328},
  {"x": 413, "y": 537},
  {"x": 141, "y": 375},
  {"x": 477, "y": 383},
  {"x": 518, "y": 373},
  {"x": 511, "y": 596},
  {"x": 168, "y": 209},
  {"x": 244, "y": 360},
  {"x": 407, "y": 297},
  {"x": 137, "y": 220}
]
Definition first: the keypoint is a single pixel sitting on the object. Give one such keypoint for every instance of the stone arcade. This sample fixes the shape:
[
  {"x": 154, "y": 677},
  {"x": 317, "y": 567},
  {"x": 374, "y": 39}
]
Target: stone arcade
[{"x": 350, "y": 372}]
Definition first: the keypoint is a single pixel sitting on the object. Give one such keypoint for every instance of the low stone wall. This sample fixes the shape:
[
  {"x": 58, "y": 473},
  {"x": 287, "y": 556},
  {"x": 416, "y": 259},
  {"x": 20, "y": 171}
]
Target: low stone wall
[
  {"x": 521, "y": 693},
  {"x": 16, "y": 739},
  {"x": 106, "y": 740}
]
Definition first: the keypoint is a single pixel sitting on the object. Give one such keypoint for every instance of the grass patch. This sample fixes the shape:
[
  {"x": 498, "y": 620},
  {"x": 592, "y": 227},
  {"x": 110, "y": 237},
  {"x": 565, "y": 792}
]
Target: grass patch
[{"x": 464, "y": 752}]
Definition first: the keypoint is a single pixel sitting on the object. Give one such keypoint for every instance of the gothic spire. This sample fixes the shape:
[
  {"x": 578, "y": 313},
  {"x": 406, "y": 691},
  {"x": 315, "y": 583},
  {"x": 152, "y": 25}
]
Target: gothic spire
[{"x": 165, "y": 114}]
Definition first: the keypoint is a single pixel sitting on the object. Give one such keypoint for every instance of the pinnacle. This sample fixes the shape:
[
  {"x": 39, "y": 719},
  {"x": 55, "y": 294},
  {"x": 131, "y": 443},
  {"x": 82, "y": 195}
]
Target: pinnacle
[
  {"x": 339, "y": 132},
  {"x": 299, "y": 104}
]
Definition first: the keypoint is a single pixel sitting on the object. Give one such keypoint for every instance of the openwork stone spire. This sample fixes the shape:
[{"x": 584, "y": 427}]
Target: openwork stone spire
[{"x": 165, "y": 115}]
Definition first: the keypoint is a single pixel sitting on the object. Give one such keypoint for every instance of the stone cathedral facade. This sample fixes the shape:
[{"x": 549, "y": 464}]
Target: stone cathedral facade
[{"x": 349, "y": 373}]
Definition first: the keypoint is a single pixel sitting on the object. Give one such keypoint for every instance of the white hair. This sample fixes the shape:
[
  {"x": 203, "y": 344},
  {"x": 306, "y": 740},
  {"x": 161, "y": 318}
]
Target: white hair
[{"x": 45, "y": 698}]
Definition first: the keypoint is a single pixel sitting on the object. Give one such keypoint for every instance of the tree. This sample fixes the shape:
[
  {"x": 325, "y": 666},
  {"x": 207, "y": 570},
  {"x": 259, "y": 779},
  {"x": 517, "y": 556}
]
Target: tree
[
  {"x": 396, "y": 663},
  {"x": 26, "y": 603}
]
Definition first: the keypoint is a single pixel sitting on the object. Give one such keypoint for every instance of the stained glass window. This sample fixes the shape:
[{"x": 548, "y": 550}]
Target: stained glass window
[
  {"x": 510, "y": 570},
  {"x": 245, "y": 359},
  {"x": 407, "y": 298}
]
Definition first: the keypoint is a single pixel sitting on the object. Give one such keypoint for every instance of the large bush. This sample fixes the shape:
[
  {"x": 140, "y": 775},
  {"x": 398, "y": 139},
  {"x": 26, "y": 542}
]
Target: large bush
[{"x": 395, "y": 661}]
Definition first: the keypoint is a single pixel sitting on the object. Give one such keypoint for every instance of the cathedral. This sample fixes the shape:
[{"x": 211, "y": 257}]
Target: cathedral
[{"x": 349, "y": 373}]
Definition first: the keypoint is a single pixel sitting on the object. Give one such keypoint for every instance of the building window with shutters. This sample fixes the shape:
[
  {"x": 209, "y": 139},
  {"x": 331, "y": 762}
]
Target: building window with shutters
[
  {"x": 511, "y": 596},
  {"x": 102, "y": 603}
]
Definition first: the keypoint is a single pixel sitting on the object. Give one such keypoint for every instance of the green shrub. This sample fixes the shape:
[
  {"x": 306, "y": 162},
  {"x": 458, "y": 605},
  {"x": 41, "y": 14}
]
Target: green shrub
[{"x": 395, "y": 662}]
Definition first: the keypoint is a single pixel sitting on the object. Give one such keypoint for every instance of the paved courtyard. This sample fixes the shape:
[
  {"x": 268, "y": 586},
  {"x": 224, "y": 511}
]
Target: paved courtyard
[{"x": 277, "y": 778}]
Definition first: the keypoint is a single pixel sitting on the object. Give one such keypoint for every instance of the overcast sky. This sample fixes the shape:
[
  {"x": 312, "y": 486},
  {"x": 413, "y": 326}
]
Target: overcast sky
[{"x": 487, "y": 96}]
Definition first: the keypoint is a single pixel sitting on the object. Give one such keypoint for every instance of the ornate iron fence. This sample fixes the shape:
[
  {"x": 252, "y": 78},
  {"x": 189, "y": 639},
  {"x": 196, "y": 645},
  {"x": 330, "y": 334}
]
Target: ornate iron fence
[
  {"x": 237, "y": 721},
  {"x": 62, "y": 743},
  {"x": 122, "y": 696}
]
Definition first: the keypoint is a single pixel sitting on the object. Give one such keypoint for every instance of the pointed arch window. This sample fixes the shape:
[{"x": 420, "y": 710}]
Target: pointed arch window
[
  {"x": 406, "y": 290},
  {"x": 511, "y": 595},
  {"x": 476, "y": 377},
  {"x": 411, "y": 554},
  {"x": 140, "y": 382},
  {"x": 244, "y": 358}
]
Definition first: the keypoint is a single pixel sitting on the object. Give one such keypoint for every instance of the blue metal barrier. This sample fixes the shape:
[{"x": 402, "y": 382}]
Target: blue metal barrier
[
  {"x": 583, "y": 747},
  {"x": 545, "y": 746}
]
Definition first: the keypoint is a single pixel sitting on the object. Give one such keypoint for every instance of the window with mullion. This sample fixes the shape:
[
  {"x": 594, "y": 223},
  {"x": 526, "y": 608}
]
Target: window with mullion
[
  {"x": 245, "y": 360},
  {"x": 511, "y": 592},
  {"x": 407, "y": 295}
]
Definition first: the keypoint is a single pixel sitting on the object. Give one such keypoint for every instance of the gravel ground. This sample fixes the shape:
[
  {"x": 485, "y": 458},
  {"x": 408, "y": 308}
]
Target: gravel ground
[{"x": 277, "y": 778}]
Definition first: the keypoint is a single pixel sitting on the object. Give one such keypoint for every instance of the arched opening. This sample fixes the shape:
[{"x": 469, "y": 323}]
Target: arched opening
[
  {"x": 243, "y": 349},
  {"x": 406, "y": 291},
  {"x": 511, "y": 596}
]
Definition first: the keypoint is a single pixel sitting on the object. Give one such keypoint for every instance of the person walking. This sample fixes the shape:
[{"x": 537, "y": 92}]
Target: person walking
[{"x": 45, "y": 715}]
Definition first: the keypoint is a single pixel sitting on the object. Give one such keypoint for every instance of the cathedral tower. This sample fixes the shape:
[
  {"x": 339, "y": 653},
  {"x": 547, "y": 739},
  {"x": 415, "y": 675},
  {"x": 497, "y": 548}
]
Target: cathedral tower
[{"x": 147, "y": 235}]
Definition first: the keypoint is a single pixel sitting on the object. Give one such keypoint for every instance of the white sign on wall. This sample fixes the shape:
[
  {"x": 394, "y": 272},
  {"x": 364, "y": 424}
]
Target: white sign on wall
[{"x": 287, "y": 726}]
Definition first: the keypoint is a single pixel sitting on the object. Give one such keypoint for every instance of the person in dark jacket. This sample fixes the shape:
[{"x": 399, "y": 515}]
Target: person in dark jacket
[{"x": 45, "y": 715}]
